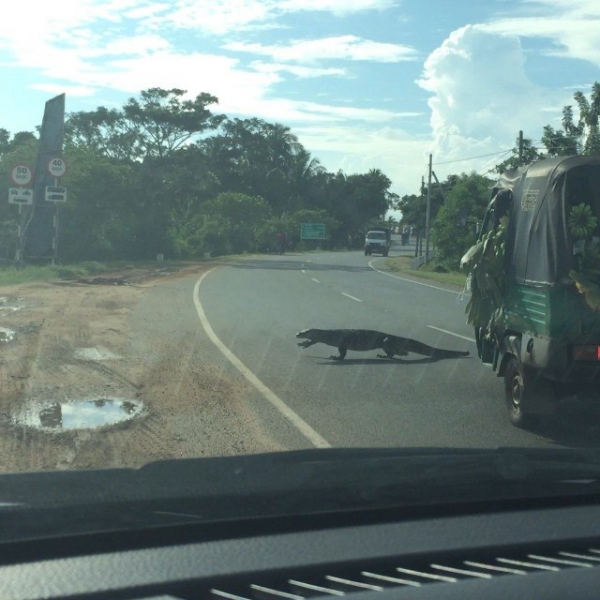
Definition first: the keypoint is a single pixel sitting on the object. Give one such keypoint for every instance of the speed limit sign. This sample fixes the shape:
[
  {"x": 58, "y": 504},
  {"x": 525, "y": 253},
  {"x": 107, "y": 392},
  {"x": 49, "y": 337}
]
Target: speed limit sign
[
  {"x": 21, "y": 175},
  {"x": 57, "y": 167}
]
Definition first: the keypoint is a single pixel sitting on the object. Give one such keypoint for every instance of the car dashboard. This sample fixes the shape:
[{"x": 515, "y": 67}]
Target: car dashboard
[{"x": 535, "y": 552}]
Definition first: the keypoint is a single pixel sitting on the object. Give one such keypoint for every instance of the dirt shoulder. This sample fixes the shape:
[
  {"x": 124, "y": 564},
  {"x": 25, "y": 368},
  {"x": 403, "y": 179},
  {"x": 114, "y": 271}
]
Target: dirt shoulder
[{"x": 66, "y": 353}]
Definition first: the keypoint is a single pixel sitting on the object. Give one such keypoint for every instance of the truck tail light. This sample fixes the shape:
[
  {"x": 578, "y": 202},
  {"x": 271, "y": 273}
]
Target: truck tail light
[{"x": 587, "y": 352}]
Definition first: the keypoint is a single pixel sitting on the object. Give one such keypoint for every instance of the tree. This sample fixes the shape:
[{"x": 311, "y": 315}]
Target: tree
[
  {"x": 154, "y": 126},
  {"x": 529, "y": 155},
  {"x": 454, "y": 229},
  {"x": 580, "y": 138},
  {"x": 232, "y": 220},
  {"x": 566, "y": 141},
  {"x": 162, "y": 122},
  {"x": 589, "y": 112},
  {"x": 99, "y": 220},
  {"x": 22, "y": 147}
]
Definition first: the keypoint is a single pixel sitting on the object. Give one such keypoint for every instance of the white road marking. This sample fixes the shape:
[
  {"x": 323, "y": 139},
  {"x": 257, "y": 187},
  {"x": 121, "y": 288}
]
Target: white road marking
[
  {"x": 462, "y": 337},
  {"x": 305, "y": 429},
  {"x": 304, "y": 271},
  {"x": 351, "y": 297},
  {"x": 435, "y": 287},
  {"x": 315, "y": 280}
]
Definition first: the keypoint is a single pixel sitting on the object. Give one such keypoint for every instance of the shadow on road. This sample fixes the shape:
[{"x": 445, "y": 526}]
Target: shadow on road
[
  {"x": 376, "y": 361},
  {"x": 295, "y": 265},
  {"x": 574, "y": 424}
]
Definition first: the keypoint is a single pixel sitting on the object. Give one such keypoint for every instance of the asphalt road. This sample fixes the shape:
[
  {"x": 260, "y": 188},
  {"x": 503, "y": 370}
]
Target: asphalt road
[{"x": 255, "y": 307}]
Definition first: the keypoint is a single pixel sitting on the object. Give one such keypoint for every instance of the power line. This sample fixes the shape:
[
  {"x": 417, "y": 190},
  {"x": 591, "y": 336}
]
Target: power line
[
  {"x": 448, "y": 162},
  {"x": 488, "y": 166}
]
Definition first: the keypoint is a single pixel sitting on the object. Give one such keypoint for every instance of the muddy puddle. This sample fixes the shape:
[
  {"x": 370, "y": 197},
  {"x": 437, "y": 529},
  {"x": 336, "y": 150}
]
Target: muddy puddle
[
  {"x": 8, "y": 303},
  {"x": 6, "y": 335},
  {"x": 79, "y": 414}
]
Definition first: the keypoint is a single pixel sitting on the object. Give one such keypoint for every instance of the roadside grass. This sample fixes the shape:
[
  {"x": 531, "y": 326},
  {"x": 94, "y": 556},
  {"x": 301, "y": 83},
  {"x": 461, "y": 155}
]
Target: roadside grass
[
  {"x": 401, "y": 264},
  {"x": 12, "y": 275}
]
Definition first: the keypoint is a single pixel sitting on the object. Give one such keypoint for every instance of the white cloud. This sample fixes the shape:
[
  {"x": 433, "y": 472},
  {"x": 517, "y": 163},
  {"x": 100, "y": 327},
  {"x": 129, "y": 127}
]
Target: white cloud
[
  {"x": 224, "y": 16},
  {"x": 302, "y": 72},
  {"x": 482, "y": 96},
  {"x": 347, "y": 47},
  {"x": 356, "y": 149},
  {"x": 70, "y": 90},
  {"x": 573, "y": 27},
  {"x": 221, "y": 16},
  {"x": 338, "y": 7}
]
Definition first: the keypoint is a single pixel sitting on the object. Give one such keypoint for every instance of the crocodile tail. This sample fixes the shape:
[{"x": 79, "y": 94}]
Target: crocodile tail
[{"x": 425, "y": 350}]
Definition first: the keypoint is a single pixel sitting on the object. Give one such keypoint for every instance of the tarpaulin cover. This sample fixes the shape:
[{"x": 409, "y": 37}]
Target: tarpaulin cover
[{"x": 539, "y": 248}]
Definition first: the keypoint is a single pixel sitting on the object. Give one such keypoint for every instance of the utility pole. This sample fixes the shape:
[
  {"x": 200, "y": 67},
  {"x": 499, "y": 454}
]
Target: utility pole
[
  {"x": 520, "y": 147},
  {"x": 419, "y": 240},
  {"x": 428, "y": 213}
]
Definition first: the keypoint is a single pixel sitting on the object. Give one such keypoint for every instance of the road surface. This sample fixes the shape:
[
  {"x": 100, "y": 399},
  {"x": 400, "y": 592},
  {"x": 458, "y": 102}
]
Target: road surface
[{"x": 253, "y": 309}]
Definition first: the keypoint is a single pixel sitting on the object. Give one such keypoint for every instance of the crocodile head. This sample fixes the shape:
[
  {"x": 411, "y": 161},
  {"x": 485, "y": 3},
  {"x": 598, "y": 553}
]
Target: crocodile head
[{"x": 304, "y": 334}]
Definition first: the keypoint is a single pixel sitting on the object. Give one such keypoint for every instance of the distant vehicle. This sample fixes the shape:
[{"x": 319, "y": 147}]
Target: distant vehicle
[{"x": 378, "y": 241}]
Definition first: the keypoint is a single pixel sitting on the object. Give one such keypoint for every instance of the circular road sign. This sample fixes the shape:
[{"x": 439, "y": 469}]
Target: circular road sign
[
  {"x": 57, "y": 166},
  {"x": 21, "y": 175}
]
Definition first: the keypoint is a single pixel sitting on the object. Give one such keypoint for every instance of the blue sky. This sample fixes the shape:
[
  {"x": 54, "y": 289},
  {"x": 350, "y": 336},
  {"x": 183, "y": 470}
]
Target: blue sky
[{"x": 363, "y": 83}]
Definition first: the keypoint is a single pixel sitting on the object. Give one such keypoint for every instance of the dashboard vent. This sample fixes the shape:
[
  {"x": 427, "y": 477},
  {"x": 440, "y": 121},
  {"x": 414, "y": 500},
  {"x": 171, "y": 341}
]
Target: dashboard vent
[{"x": 347, "y": 580}]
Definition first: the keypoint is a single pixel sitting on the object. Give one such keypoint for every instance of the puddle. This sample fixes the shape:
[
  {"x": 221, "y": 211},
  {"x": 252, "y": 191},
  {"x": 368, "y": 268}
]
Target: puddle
[
  {"x": 6, "y": 335},
  {"x": 95, "y": 354},
  {"x": 7, "y": 303},
  {"x": 80, "y": 414}
]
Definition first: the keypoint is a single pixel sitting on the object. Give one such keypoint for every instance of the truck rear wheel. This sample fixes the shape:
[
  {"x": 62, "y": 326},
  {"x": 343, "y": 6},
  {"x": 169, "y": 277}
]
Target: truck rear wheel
[{"x": 525, "y": 393}]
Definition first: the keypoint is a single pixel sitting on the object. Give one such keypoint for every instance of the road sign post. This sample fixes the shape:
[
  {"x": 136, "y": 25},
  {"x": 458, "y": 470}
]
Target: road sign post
[
  {"x": 312, "y": 231},
  {"x": 56, "y": 193},
  {"x": 56, "y": 167},
  {"x": 21, "y": 175},
  {"x": 20, "y": 196}
]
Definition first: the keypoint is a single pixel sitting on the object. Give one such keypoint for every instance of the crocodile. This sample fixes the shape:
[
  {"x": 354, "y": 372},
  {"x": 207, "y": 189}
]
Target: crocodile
[{"x": 362, "y": 340}]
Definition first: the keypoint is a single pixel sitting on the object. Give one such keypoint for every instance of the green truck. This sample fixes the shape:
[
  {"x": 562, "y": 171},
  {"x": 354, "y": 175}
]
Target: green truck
[{"x": 534, "y": 277}]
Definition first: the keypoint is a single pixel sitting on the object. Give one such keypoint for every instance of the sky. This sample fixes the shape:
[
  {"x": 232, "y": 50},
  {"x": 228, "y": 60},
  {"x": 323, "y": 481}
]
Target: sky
[{"x": 363, "y": 83}]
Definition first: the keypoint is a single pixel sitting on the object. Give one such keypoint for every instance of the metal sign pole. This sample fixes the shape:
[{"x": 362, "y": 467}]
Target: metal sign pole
[
  {"x": 55, "y": 244},
  {"x": 428, "y": 214}
]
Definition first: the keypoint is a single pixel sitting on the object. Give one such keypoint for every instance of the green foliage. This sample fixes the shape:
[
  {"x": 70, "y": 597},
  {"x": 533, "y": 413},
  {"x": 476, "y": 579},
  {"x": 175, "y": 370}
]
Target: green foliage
[
  {"x": 582, "y": 137},
  {"x": 228, "y": 223},
  {"x": 163, "y": 174},
  {"x": 13, "y": 275},
  {"x": 21, "y": 148},
  {"x": 529, "y": 155},
  {"x": 455, "y": 227},
  {"x": 485, "y": 263},
  {"x": 583, "y": 225}
]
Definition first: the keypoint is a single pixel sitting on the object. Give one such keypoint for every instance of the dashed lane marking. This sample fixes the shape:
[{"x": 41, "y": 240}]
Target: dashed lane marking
[
  {"x": 462, "y": 337},
  {"x": 351, "y": 297},
  {"x": 435, "y": 287}
]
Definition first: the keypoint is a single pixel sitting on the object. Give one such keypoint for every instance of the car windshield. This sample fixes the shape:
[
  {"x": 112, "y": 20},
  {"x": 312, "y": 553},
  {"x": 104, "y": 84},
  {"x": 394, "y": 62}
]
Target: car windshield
[{"x": 187, "y": 195}]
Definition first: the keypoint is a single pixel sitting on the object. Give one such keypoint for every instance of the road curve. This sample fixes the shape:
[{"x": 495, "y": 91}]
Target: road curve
[{"x": 255, "y": 306}]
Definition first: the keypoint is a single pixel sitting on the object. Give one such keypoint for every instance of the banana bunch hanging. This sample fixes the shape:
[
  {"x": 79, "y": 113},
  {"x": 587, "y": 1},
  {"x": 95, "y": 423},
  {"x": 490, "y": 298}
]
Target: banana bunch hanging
[{"x": 582, "y": 223}]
